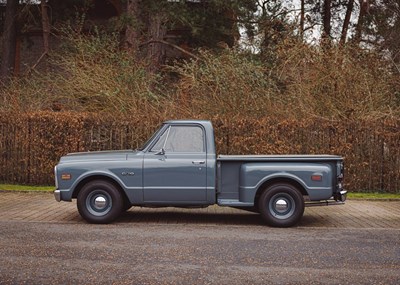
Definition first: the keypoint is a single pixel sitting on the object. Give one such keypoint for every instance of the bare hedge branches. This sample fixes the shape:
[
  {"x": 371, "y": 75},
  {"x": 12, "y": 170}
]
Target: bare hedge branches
[{"x": 32, "y": 143}]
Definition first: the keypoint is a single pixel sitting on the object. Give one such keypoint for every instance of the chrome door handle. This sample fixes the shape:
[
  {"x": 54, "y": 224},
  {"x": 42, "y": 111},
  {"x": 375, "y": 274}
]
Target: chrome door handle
[{"x": 198, "y": 162}]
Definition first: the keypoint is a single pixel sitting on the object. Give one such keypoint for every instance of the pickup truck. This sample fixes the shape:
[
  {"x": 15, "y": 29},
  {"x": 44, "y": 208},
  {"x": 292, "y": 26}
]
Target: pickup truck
[{"x": 178, "y": 167}]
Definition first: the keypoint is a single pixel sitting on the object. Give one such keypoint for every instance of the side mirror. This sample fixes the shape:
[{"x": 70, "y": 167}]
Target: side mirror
[{"x": 160, "y": 152}]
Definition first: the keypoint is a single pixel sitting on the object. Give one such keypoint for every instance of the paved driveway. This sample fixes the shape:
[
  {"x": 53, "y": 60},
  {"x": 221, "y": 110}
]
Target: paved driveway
[
  {"x": 46, "y": 242},
  {"x": 41, "y": 207}
]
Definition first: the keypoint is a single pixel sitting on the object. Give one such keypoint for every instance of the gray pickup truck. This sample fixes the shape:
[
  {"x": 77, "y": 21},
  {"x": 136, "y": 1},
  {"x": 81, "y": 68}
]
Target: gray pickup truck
[{"x": 178, "y": 167}]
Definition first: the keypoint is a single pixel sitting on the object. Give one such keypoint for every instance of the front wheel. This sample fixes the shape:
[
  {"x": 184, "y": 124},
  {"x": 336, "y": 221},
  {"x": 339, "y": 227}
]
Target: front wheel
[
  {"x": 281, "y": 205},
  {"x": 99, "y": 202}
]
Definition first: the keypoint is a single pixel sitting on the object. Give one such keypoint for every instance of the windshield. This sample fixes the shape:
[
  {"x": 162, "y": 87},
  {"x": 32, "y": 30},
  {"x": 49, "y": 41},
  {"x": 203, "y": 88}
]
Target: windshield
[{"x": 151, "y": 139}]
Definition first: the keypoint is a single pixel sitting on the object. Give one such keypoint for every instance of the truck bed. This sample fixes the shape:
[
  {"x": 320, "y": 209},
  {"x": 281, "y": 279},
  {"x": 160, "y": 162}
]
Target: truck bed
[{"x": 241, "y": 175}]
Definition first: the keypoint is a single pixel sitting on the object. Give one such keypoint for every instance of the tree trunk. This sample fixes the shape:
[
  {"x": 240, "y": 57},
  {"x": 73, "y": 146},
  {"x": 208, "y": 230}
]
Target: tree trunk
[
  {"x": 156, "y": 51},
  {"x": 327, "y": 19},
  {"x": 346, "y": 22},
  {"x": 45, "y": 27},
  {"x": 9, "y": 41},
  {"x": 364, "y": 6},
  {"x": 302, "y": 17},
  {"x": 132, "y": 31}
]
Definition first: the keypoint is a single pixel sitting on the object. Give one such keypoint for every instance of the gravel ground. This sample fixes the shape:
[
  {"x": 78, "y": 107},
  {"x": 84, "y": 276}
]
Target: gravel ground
[{"x": 47, "y": 253}]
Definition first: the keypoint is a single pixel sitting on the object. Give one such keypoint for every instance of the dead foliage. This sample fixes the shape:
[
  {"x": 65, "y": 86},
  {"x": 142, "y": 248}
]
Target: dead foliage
[{"x": 32, "y": 143}]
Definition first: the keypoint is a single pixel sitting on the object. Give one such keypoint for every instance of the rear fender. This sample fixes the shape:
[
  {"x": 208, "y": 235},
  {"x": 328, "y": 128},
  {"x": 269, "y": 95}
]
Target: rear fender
[
  {"x": 248, "y": 193},
  {"x": 256, "y": 177}
]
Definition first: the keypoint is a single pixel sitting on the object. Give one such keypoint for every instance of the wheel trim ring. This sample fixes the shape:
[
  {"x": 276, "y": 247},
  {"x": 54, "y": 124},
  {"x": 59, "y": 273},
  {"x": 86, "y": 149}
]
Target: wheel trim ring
[
  {"x": 278, "y": 203},
  {"x": 98, "y": 203}
]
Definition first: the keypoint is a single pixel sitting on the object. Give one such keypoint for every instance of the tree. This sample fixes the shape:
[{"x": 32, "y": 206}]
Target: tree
[
  {"x": 45, "y": 26},
  {"x": 346, "y": 22},
  {"x": 132, "y": 29},
  {"x": 274, "y": 26},
  {"x": 364, "y": 8},
  {"x": 45, "y": 31},
  {"x": 9, "y": 41},
  {"x": 327, "y": 14},
  {"x": 302, "y": 18},
  {"x": 188, "y": 25},
  {"x": 381, "y": 28}
]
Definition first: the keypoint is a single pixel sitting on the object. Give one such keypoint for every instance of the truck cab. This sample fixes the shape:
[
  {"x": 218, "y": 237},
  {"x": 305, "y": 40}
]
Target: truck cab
[{"x": 179, "y": 165}]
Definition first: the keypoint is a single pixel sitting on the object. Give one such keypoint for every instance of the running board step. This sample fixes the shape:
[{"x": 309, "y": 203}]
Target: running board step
[{"x": 234, "y": 203}]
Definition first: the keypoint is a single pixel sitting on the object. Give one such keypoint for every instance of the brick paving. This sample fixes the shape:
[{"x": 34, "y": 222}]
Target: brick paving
[{"x": 41, "y": 207}]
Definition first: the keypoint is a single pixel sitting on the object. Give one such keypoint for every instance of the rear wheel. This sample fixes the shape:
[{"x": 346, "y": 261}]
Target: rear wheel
[
  {"x": 99, "y": 202},
  {"x": 281, "y": 205}
]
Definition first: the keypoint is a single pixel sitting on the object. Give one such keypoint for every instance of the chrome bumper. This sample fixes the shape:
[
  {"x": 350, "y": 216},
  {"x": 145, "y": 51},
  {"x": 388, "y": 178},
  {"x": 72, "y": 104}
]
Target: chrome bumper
[
  {"x": 57, "y": 195},
  {"x": 341, "y": 196},
  {"x": 338, "y": 199}
]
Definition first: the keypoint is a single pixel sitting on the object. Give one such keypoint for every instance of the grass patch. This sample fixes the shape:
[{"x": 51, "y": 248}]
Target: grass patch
[
  {"x": 376, "y": 195},
  {"x": 350, "y": 195},
  {"x": 14, "y": 187}
]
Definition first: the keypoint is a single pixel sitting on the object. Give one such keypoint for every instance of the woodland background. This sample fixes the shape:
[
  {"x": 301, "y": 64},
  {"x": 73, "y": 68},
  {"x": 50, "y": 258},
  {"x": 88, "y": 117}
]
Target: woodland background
[{"x": 275, "y": 77}]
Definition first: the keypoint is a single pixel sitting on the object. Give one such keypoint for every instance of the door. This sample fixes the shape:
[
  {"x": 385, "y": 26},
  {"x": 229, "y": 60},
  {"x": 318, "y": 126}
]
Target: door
[{"x": 175, "y": 167}]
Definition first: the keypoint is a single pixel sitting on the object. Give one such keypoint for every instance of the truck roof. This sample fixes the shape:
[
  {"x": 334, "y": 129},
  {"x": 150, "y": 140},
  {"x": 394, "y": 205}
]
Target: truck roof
[{"x": 187, "y": 122}]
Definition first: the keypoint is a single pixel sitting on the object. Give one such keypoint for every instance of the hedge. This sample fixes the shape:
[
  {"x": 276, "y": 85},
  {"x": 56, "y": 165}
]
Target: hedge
[{"x": 32, "y": 143}]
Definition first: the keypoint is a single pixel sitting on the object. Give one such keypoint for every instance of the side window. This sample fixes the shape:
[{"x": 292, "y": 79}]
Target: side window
[
  {"x": 185, "y": 139},
  {"x": 181, "y": 139}
]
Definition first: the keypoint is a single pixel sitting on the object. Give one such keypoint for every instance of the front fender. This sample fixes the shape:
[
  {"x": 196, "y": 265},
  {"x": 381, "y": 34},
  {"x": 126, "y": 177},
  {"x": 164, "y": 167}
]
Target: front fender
[{"x": 69, "y": 188}]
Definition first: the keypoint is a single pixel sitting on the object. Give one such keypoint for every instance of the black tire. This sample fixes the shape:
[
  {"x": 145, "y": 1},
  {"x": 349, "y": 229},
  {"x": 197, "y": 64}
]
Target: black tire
[
  {"x": 281, "y": 205},
  {"x": 100, "y": 202},
  {"x": 127, "y": 205}
]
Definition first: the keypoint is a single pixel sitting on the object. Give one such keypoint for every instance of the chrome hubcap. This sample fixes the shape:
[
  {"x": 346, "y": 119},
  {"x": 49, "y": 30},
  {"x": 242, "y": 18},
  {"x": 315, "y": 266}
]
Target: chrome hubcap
[
  {"x": 281, "y": 205},
  {"x": 100, "y": 202}
]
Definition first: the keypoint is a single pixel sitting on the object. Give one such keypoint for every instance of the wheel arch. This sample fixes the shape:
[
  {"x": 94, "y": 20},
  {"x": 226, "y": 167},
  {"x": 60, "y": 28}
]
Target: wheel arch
[
  {"x": 277, "y": 180},
  {"x": 90, "y": 178}
]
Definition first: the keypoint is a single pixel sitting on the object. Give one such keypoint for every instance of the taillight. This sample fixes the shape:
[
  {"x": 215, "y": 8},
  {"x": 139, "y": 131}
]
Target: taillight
[{"x": 340, "y": 175}]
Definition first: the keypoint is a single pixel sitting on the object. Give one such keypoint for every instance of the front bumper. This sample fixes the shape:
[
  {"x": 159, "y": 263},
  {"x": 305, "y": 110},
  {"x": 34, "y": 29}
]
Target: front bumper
[{"x": 63, "y": 195}]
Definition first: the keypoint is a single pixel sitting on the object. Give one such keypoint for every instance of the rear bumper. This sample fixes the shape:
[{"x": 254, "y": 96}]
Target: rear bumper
[
  {"x": 338, "y": 199},
  {"x": 57, "y": 195},
  {"x": 341, "y": 196}
]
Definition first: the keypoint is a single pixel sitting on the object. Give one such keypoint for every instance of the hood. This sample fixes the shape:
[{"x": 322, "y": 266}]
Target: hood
[{"x": 97, "y": 155}]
